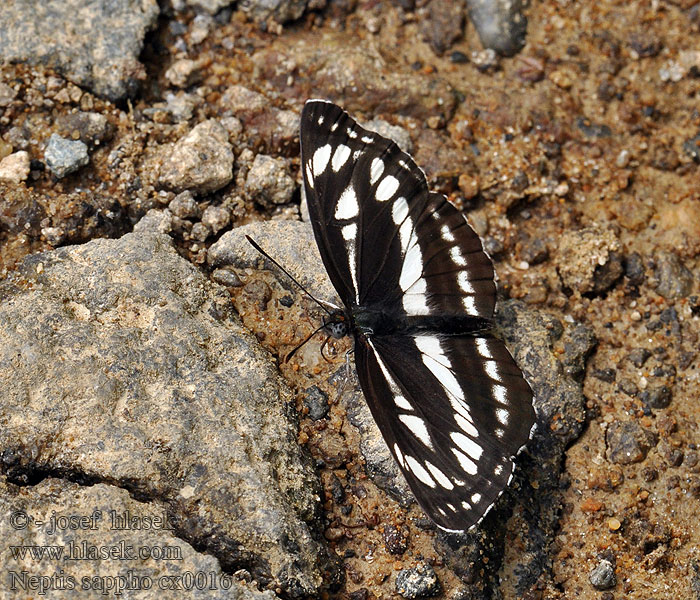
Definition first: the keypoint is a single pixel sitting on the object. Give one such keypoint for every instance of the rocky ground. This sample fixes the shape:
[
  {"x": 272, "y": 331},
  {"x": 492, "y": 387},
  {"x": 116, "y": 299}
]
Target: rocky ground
[{"x": 141, "y": 368}]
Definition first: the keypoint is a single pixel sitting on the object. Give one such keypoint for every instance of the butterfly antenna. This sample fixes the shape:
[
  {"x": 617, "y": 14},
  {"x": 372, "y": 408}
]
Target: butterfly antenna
[
  {"x": 308, "y": 337},
  {"x": 288, "y": 274}
]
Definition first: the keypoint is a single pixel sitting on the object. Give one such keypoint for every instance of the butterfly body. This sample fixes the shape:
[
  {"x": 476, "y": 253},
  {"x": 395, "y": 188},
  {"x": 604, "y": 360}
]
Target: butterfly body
[{"x": 418, "y": 298}]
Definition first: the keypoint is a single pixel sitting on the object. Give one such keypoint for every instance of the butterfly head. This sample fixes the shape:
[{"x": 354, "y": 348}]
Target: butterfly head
[{"x": 337, "y": 325}]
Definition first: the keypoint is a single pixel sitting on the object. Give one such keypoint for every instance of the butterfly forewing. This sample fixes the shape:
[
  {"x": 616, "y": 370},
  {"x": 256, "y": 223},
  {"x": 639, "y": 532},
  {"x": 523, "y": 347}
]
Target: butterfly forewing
[{"x": 419, "y": 294}]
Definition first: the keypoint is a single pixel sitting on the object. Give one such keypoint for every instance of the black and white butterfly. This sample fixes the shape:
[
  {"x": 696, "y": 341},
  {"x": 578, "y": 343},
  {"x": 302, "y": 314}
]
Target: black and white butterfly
[{"x": 419, "y": 294}]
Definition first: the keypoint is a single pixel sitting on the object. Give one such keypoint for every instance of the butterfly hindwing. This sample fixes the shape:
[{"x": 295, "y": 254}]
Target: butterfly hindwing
[
  {"x": 453, "y": 410},
  {"x": 419, "y": 295}
]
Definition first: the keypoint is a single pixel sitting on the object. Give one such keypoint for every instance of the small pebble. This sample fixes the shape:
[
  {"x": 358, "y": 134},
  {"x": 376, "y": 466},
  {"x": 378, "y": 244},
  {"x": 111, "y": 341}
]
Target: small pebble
[
  {"x": 602, "y": 576},
  {"x": 216, "y": 218},
  {"x": 226, "y": 277},
  {"x": 200, "y": 232},
  {"x": 418, "y": 582},
  {"x": 614, "y": 524},
  {"x": 65, "y": 156},
  {"x": 316, "y": 401},
  {"x": 395, "y": 541},
  {"x": 15, "y": 167},
  {"x": 623, "y": 159},
  {"x": 184, "y": 205},
  {"x": 269, "y": 182},
  {"x": 674, "y": 279},
  {"x": 183, "y": 73},
  {"x": 628, "y": 442},
  {"x": 201, "y": 161}
]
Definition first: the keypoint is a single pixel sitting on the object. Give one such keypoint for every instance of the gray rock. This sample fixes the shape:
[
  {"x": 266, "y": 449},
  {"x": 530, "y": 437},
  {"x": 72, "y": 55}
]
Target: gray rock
[
  {"x": 316, "y": 401},
  {"x": 201, "y": 162},
  {"x": 579, "y": 342},
  {"x": 155, "y": 221},
  {"x": 628, "y": 442},
  {"x": 200, "y": 232},
  {"x": 104, "y": 507},
  {"x": 418, "y": 582},
  {"x": 123, "y": 364},
  {"x": 269, "y": 182},
  {"x": 184, "y": 206},
  {"x": 89, "y": 127},
  {"x": 634, "y": 269},
  {"x": 65, "y": 156},
  {"x": 443, "y": 24},
  {"x": 181, "y": 105},
  {"x": 94, "y": 44},
  {"x": 602, "y": 576},
  {"x": 279, "y": 11},
  {"x": 501, "y": 24},
  {"x": 673, "y": 278},
  {"x": 639, "y": 356},
  {"x": 657, "y": 396},
  {"x": 216, "y": 218}
]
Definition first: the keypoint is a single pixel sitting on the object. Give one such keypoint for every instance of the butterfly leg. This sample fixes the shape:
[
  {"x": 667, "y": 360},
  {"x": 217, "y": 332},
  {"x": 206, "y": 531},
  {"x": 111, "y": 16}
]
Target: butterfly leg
[{"x": 328, "y": 337}]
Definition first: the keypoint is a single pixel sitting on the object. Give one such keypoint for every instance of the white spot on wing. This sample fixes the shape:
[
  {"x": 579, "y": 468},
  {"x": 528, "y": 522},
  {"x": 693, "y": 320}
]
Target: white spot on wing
[
  {"x": 434, "y": 358},
  {"x": 464, "y": 283},
  {"x": 349, "y": 232},
  {"x": 334, "y": 126},
  {"x": 320, "y": 120},
  {"x": 417, "y": 469},
  {"x": 376, "y": 170},
  {"x": 412, "y": 267},
  {"x": 499, "y": 393},
  {"x": 340, "y": 157},
  {"x": 466, "y": 505},
  {"x": 483, "y": 348},
  {"x": 439, "y": 476},
  {"x": 465, "y": 462},
  {"x": 352, "y": 134},
  {"x": 502, "y": 416},
  {"x": 399, "y": 210},
  {"x": 387, "y": 188},
  {"x": 415, "y": 304},
  {"x": 492, "y": 370},
  {"x": 399, "y": 455},
  {"x": 402, "y": 403},
  {"x": 469, "y": 446},
  {"x": 405, "y": 234},
  {"x": 417, "y": 427},
  {"x": 320, "y": 159},
  {"x": 470, "y": 305},
  {"x": 476, "y": 498},
  {"x": 348, "y": 206},
  {"x": 446, "y": 234},
  {"x": 466, "y": 425},
  {"x": 457, "y": 257}
]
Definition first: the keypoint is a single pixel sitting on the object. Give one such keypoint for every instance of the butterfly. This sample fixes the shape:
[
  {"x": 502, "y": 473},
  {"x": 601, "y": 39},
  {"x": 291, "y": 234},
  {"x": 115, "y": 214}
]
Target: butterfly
[{"x": 418, "y": 296}]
